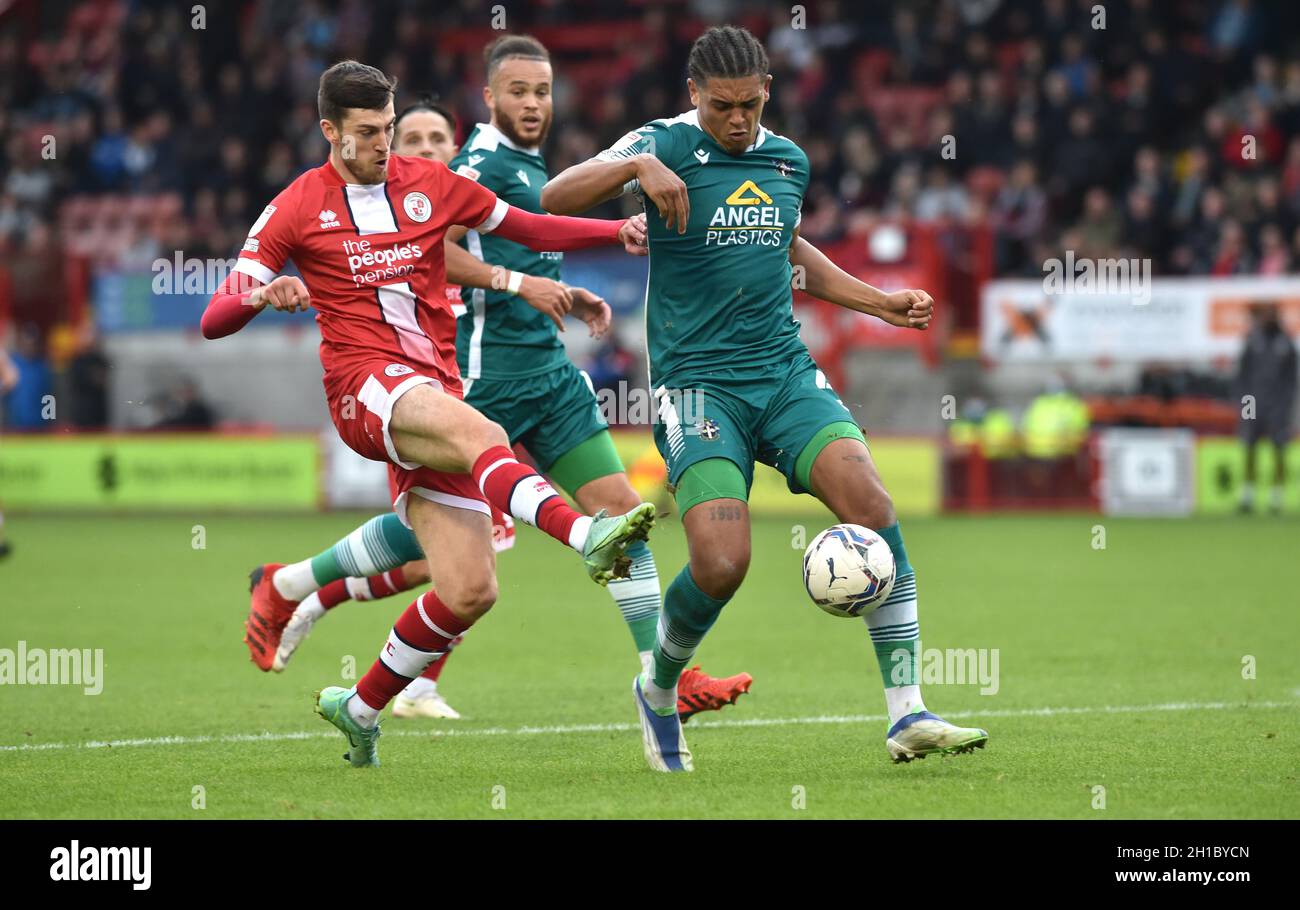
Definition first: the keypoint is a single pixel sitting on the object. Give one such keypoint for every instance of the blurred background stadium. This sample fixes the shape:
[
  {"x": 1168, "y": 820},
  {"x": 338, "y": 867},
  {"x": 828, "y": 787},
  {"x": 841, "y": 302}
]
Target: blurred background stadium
[{"x": 956, "y": 145}]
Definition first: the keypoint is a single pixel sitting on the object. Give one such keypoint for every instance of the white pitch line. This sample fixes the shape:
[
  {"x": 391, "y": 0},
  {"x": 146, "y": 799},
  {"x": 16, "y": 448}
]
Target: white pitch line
[{"x": 626, "y": 728}]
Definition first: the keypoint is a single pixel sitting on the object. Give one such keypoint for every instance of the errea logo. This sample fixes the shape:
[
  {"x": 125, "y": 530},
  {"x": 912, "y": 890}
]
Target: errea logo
[{"x": 328, "y": 219}]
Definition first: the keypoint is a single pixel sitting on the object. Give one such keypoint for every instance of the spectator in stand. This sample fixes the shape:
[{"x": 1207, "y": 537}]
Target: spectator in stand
[
  {"x": 29, "y": 397},
  {"x": 1019, "y": 213},
  {"x": 184, "y": 409},
  {"x": 88, "y": 381},
  {"x": 1266, "y": 372},
  {"x": 1275, "y": 259}
]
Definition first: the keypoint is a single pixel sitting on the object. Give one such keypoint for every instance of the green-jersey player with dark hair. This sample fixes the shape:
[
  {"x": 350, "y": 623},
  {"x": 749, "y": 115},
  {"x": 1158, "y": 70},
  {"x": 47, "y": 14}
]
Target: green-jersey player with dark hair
[{"x": 734, "y": 382}]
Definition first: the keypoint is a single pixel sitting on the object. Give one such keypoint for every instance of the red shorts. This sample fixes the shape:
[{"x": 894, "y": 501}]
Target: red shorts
[{"x": 361, "y": 397}]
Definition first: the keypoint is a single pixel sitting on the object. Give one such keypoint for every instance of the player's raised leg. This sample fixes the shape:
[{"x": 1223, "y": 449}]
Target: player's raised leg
[
  {"x": 441, "y": 432},
  {"x": 276, "y": 591},
  {"x": 315, "y": 605},
  {"x": 843, "y": 476},
  {"x": 463, "y": 566}
]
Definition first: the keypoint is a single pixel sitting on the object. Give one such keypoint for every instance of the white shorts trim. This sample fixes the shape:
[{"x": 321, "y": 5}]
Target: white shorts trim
[
  {"x": 445, "y": 499},
  {"x": 381, "y": 402}
]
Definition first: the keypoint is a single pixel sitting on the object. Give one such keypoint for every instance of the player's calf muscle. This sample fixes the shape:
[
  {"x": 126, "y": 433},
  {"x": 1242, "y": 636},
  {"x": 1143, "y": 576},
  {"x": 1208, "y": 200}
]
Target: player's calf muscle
[{"x": 612, "y": 492}]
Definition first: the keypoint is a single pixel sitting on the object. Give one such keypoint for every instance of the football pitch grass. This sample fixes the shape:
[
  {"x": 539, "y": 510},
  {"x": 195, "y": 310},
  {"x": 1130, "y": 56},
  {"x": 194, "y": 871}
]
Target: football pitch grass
[{"x": 1118, "y": 668}]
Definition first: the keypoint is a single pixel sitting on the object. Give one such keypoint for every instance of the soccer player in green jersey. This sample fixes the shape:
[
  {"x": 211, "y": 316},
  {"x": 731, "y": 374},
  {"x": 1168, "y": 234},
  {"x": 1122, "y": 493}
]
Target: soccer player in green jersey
[
  {"x": 735, "y": 383},
  {"x": 515, "y": 371}
]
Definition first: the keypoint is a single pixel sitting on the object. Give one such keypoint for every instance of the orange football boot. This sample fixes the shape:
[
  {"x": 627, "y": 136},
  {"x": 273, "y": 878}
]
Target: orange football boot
[
  {"x": 268, "y": 614},
  {"x": 697, "y": 691}
]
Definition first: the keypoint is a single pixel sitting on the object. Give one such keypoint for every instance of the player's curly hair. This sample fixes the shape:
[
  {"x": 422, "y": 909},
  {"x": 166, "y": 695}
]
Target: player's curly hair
[
  {"x": 508, "y": 46},
  {"x": 349, "y": 83},
  {"x": 728, "y": 52}
]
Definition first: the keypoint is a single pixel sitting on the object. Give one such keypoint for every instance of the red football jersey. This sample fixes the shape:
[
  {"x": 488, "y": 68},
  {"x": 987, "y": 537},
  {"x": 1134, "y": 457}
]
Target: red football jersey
[{"x": 372, "y": 258}]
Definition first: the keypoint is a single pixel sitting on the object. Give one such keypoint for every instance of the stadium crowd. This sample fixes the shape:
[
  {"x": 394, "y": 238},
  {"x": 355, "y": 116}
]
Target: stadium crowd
[{"x": 1164, "y": 130}]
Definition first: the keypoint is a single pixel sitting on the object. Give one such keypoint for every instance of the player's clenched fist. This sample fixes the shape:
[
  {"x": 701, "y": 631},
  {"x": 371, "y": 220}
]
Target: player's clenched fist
[
  {"x": 633, "y": 235},
  {"x": 910, "y": 309},
  {"x": 286, "y": 293}
]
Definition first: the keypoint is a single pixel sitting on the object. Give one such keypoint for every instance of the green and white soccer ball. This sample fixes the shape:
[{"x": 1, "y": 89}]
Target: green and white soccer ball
[{"x": 848, "y": 570}]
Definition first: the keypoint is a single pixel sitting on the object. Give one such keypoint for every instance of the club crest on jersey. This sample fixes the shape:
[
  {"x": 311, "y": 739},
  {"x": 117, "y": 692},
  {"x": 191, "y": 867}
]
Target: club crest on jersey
[
  {"x": 397, "y": 369},
  {"x": 784, "y": 168},
  {"x": 707, "y": 428},
  {"x": 328, "y": 219},
  {"x": 418, "y": 207}
]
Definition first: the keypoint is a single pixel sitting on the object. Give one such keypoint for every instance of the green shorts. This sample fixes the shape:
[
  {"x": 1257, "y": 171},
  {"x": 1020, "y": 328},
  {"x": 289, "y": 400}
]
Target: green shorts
[
  {"x": 551, "y": 414},
  {"x": 768, "y": 414}
]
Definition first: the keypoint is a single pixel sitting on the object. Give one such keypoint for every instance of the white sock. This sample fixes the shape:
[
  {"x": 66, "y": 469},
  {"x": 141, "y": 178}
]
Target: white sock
[
  {"x": 1247, "y": 492},
  {"x": 295, "y": 581},
  {"x": 311, "y": 607},
  {"x": 361, "y": 712},
  {"x": 420, "y": 687},
  {"x": 358, "y": 588},
  {"x": 647, "y": 661},
  {"x": 902, "y": 701},
  {"x": 661, "y": 700},
  {"x": 578, "y": 535}
]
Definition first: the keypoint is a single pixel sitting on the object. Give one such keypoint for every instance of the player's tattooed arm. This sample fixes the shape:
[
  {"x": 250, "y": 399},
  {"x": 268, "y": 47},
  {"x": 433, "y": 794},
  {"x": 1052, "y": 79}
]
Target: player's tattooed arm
[{"x": 823, "y": 279}]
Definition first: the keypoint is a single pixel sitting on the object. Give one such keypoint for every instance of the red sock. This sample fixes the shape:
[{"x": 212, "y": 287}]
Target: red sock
[
  {"x": 425, "y": 630},
  {"x": 333, "y": 594},
  {"x": 389, "y": 583},
  {"x": 434, "y": 670},
  {"x": 520, "y": 491}
]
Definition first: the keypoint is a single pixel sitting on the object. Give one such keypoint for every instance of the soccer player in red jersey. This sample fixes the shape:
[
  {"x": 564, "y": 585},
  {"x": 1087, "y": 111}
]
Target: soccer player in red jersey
[{"x": 366, "y": 231}]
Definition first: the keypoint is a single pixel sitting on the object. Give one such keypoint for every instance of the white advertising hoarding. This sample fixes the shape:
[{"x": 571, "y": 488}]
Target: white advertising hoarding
[{"x": 1182, "y": 319}]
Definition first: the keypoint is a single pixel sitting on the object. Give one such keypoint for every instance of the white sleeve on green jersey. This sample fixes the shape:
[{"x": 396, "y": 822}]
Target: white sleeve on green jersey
[{"x": 648, "y": 140}]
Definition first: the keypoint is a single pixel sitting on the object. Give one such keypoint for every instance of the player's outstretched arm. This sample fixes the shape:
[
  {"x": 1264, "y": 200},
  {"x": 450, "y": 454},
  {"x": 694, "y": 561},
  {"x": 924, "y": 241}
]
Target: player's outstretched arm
[
  {"x": 823, "y": 279},
  {"x": 241, "y": 297},
  {"x": 586, "y": 185},
  {"x": 560, "y": 233}
]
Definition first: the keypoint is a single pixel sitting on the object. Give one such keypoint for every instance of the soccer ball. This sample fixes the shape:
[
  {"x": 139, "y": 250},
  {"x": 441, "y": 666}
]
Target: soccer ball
[{"x": 848, "y": 570}]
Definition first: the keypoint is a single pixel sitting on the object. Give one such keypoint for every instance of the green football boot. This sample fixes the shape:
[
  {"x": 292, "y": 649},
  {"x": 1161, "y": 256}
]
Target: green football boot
[
  {"x": 921, "y": 733},
  {"x": 363, "y": 744},
  {"x": 603, "y": 554}
]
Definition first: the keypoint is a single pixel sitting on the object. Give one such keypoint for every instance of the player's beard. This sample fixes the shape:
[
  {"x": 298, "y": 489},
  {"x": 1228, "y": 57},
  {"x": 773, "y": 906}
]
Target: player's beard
[{"x": 508, "y": 125}]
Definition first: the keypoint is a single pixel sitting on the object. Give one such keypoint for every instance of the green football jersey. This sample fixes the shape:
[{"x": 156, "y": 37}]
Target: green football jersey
[
  {"x": 500, "y": 336},
  {"x": 719, "y": 295}
]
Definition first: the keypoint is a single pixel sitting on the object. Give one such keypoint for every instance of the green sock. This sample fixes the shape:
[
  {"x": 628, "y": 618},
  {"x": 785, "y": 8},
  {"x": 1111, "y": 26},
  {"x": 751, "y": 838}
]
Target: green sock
[
  {"x": 382, "y": 543},
  {"x": 638, "y": 596},
  {"x": 894, "y": 625},
  {"x": 688, "y": 613}
]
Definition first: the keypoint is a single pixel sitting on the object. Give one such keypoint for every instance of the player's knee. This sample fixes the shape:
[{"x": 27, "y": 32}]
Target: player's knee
[
  {"x": 620, "y": 499},
  {"x": 483, "y": 435},
  {"x": 471, "y": 595},
  {"x": 872, "y": 508},
  {"x": 719, "y": 572}
]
